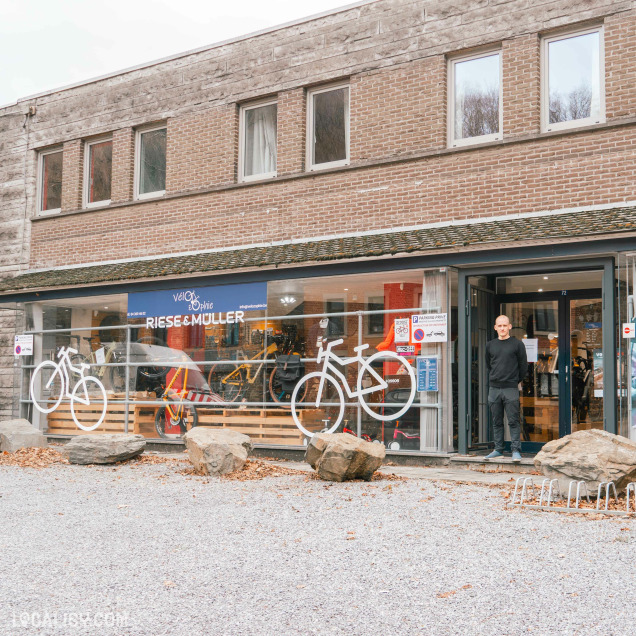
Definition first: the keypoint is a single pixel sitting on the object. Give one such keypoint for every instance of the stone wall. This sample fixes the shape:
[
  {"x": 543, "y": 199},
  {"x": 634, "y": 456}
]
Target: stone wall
[{"x": 17, "y": 188}]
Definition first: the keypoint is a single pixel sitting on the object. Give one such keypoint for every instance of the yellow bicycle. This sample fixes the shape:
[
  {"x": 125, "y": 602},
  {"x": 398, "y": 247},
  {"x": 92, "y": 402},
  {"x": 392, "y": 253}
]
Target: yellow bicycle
[{"x": 232, "y": 381}]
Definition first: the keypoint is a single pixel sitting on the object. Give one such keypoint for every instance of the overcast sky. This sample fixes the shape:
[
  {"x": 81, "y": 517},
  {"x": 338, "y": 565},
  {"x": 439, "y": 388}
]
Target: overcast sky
[{"x": 45, "y": 44}]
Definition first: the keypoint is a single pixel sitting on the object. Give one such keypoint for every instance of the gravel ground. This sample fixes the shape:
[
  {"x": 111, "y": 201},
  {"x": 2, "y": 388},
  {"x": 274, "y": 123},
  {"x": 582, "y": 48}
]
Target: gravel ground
[{"x": 159, "y": 552}]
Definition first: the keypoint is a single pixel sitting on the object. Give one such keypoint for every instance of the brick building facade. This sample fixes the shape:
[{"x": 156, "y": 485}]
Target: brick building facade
[{"x": 529, "y": 197}]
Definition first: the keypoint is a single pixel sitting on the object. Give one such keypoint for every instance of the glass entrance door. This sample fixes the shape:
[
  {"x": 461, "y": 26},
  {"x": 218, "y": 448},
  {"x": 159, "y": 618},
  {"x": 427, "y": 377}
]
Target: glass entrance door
[
  {"x": 482, "y": 319},
  {"x": 563, "y": 391},
  {"x": 537, "y": 324},
  {"x": 586, "y": 363}
]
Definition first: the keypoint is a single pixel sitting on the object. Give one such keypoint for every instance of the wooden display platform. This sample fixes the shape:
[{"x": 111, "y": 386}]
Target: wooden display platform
[
  {"x": 141, "y": 419},
  {"x": 264, "y": 426}
]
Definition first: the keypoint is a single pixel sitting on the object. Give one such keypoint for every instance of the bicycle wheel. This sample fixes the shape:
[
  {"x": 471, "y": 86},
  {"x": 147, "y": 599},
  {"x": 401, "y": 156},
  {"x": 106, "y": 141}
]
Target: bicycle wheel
[
  {"x": 227, "y": 380},
  {"x": 154, "y": 373},
  {"x": 329, "y": 404},
  {"x": 281, "y": 395},
  {"x": 78, "y": 359},
  {"x": 117, "y": 378},
  {"x": 377, "y": 411},
  {"x": 185, "y": 418},
  {"x": 90, "y": 394},
  {"x": 151, "y": 372},
  {"x": 47, "y": 382}
]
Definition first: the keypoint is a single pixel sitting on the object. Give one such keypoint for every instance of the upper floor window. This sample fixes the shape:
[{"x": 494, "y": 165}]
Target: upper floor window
[
  {"x": 258, "y": 141},
  {"x": 150, "y": 171},
  {"x": 475, "y": 99},
  {"x": 98, "y": 172},
  {"x": 50, "y": 181},
  {"x": 328, "y": 126},
  {"x": 572, "y": 81}
]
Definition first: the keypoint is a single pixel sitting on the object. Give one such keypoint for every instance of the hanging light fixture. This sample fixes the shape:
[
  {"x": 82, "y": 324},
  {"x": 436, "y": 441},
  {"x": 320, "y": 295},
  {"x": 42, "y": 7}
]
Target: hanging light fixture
[{"x": 287, "y": 300}]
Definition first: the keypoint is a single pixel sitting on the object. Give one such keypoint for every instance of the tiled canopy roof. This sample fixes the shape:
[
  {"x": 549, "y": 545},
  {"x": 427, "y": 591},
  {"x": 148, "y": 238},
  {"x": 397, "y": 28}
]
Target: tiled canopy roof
[{"x": 428, "y": 239}]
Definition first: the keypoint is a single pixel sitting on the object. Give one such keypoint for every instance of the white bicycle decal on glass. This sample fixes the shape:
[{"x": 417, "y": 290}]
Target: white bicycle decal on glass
[
  {"x": 332, "y": 375},
  {"x": 59, "y": 385}
]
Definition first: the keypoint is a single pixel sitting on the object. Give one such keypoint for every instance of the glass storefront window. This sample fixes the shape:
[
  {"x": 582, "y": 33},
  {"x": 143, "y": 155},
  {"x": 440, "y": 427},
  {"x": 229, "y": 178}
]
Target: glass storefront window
[
  {"x": 362, "y": 310},
  {"x": 160, "y": 362}
]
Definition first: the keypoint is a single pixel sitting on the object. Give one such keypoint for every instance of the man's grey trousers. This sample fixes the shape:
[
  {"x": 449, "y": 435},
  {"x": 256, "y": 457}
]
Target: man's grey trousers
[{"x": 507, "y": 400}]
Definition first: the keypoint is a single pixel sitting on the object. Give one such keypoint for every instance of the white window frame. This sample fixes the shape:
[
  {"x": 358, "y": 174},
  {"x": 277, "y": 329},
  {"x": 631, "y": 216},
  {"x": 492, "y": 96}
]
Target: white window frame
[
  {"x": 87, "y": 173},
  {"x": 546, "y": 126},
  {"x": 138, "y": 133},
  {"x": 40, "y": 180},
  {"x": 452, "y": 62},
  {"x": 310, "y": 128},
  {"x": 243, "y": 109}
]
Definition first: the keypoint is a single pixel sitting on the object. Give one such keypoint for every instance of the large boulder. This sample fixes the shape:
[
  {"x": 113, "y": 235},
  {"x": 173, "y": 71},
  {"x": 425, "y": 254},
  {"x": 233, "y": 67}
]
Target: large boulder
[
  {"x": 342, "y": 456},
  {"x": 101, "y": 448},
  {"x": 15, "y": 434},
  {"x": 217, "y": 451},
  {"x": 592, "y": 456}
]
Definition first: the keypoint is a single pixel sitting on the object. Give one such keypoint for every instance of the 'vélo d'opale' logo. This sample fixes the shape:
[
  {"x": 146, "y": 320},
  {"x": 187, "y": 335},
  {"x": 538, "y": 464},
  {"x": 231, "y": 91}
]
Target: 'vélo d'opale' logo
[{"x": 194, "y": 303}]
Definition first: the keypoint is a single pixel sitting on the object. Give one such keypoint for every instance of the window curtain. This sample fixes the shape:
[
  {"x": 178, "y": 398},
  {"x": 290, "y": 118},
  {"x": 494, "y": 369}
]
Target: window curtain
[{"x": 260, "y": 142}]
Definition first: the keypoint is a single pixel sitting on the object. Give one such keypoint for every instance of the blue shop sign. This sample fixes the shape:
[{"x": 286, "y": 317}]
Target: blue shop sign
[
  {"x": 427, "y": 373},
  {"x": 198, "y": 300}
]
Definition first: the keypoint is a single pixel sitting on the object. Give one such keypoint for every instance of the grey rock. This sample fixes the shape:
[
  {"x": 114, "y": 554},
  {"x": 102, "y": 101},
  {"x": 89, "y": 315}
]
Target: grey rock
[
  {"x": 592, "y": 456},
  {"x": 20, "y": 433},
  {"x": 217, "y": 451},
  {"x": 103, "y": 448},
  {"x": 341, "y": 456}
]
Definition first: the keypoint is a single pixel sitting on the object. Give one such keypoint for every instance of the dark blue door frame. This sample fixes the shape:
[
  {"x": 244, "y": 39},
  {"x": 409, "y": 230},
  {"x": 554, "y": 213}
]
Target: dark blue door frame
[{"x": 607, "y": 265}]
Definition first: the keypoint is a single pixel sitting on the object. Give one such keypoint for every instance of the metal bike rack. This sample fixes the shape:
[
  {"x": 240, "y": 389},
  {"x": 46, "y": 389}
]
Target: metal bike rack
[
  {"x": 557, "y": 490},
  {"x": 607, "y": 485},
  {"x": 527, "y": 481},
  {"x": 578, "y": 492},
  {"x": 631, "y": 486},
  {"x": 550, "y": 491}
]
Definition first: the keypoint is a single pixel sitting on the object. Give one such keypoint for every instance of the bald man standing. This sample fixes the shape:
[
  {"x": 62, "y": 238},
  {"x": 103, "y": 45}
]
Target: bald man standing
[{"x": 507, "y": 365}]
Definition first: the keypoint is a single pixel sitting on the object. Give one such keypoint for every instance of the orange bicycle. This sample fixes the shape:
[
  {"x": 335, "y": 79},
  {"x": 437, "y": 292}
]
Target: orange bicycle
[{"x": 178, "y": 413}]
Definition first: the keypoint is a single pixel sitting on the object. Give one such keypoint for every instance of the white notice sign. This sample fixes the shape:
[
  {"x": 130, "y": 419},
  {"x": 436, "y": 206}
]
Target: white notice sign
[
  {"x": 401, "y": 329},
  {"x": 23, "y": 345},
  {"x": 429, "y": 328},
  {"x": 532, "y": 348},
  {"x": 100, "y": 356},
  {"x": 629, "y": 330}
]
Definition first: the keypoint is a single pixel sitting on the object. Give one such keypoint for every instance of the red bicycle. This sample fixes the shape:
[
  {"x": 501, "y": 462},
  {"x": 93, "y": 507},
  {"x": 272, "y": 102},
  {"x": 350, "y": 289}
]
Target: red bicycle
[
  {"x": 400, "y": 438},
  {"x": 346, "y": 429}
]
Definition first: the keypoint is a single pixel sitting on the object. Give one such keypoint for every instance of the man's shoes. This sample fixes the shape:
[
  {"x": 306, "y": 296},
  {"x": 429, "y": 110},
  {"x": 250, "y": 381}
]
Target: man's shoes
[
  {"x": 494, "y": 455},
  {"x": 516, "y": 456}
]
